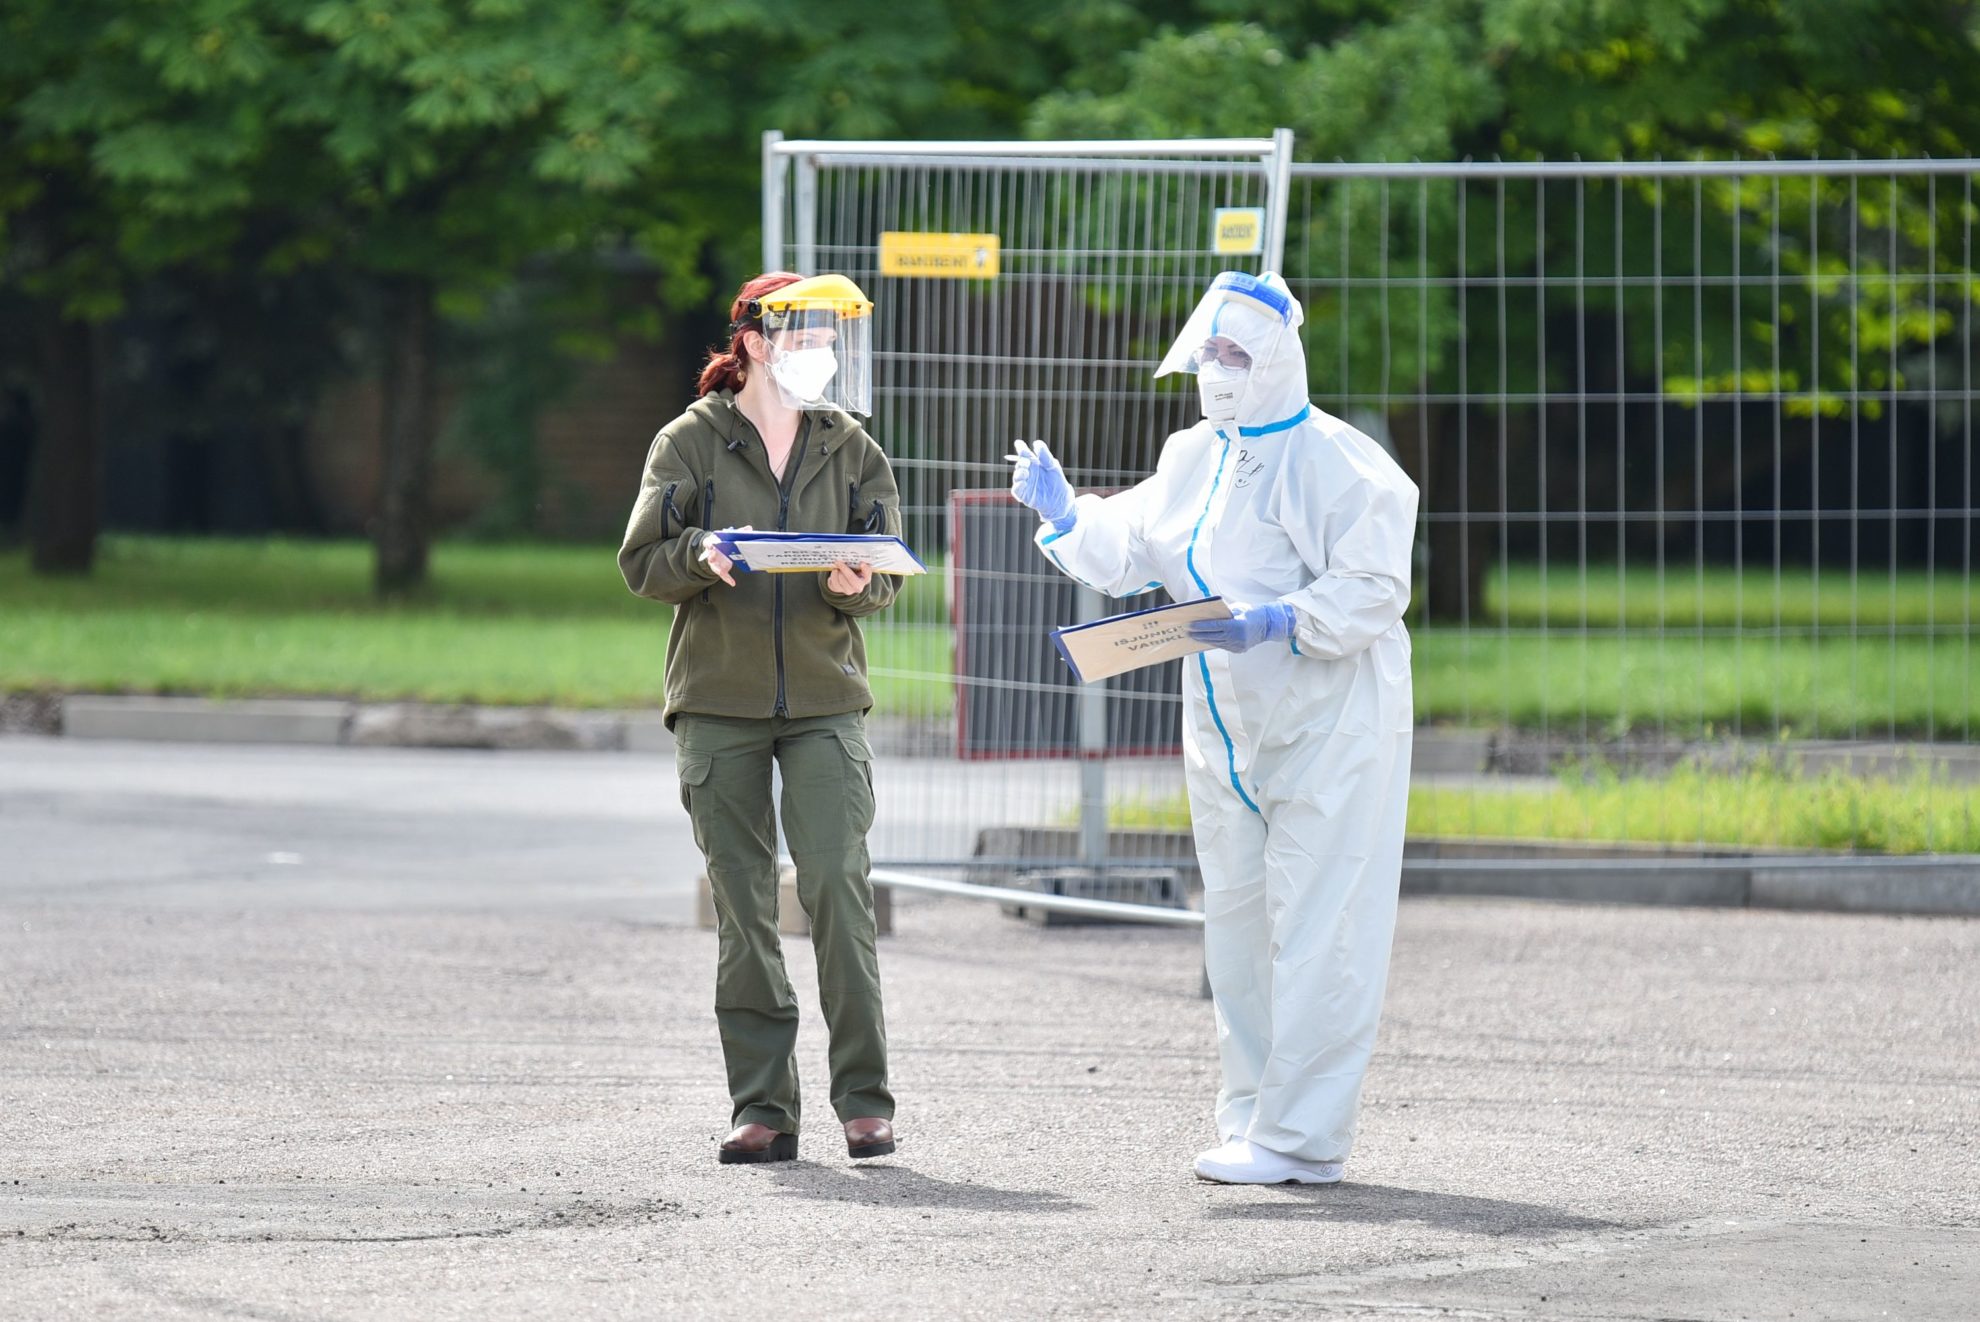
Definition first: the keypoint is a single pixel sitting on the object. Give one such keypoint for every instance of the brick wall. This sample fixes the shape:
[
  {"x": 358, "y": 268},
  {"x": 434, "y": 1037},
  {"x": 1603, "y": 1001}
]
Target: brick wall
[{"x": 592, "y": 444}]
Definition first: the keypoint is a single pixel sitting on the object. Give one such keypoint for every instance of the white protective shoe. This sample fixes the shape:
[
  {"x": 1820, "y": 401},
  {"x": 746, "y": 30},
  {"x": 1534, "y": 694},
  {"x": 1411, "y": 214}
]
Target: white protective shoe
[{"x": 1241, "y": 1162}]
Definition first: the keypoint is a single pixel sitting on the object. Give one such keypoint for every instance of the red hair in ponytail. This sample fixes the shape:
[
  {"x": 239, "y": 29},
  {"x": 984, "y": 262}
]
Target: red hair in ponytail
[{"x": 725, "y": 370}]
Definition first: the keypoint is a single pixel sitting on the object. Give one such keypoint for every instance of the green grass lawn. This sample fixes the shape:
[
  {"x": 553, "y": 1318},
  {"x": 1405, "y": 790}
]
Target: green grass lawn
[
  {"x": 531, "y": 624},
  {"x": 553, "y": 623},
  {"x": 1712, "y": 653},
  {"x": 1698, "y": 686},
  {"x": 1561, "y": 597},
  {"x": 498, "y": 624},
  {"x": 1758, "y": 808}
]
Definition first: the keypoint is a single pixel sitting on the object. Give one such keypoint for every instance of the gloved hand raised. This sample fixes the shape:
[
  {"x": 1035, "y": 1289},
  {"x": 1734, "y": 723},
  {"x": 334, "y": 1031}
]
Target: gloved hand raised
[
  {"x": 1039, "y": 482},
  {"x": 1247, "y": 627}
]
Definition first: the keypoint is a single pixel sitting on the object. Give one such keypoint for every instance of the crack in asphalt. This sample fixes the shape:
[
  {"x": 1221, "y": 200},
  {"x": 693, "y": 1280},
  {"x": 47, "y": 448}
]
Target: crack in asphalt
[{"x": 584, "y": 1215}]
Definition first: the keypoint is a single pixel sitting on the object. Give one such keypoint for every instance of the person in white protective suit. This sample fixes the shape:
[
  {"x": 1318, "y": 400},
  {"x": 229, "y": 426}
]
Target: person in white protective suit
[{"x": 1296, "y": 726}]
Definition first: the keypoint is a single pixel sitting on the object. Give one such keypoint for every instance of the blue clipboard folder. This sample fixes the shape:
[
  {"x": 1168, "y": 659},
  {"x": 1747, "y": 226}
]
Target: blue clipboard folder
[{"x": 1100, "y": 649}]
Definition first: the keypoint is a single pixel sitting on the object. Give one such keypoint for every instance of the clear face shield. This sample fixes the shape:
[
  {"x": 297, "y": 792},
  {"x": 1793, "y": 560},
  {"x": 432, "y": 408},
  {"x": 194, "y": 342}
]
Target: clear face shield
[
  {"x": 820, "y": 337},
  {"x": 1234, "y": 329}
]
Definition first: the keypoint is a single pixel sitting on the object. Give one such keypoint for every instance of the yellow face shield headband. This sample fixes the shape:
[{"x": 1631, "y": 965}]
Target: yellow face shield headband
[
  {"x": 821, "y": 300},
  {"x": 821, "y": 342}
]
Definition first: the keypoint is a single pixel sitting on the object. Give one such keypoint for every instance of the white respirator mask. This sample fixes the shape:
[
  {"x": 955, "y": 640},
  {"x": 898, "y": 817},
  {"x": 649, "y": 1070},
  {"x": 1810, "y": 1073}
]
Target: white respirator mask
[
  {"x": 804, "y": 373},
  {"x": 1221, "y": 388}
]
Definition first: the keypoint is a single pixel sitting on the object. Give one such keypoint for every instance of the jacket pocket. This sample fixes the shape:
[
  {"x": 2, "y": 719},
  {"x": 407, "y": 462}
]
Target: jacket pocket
[{"x": 693, "y": 769}]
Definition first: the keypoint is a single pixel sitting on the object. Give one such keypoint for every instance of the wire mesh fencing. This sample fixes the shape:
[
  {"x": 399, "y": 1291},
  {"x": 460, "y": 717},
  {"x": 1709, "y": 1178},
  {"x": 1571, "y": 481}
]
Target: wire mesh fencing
[
  {"x": 1695, "y": 445},
  {"x": 1695, "y": 442},
  {"x": 997, "y": 751}
]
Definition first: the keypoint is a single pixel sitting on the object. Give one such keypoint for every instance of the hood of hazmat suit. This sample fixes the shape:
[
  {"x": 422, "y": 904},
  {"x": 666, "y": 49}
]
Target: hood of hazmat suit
[
  {"x": 1296, "y": 753},
  {"x": 1245, "y": 331}
]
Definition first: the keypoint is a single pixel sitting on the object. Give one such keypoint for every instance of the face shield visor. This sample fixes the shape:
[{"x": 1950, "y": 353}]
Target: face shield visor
[
  {"x": 1234, "y": 332},
  {"x": 820, "y": 334}
]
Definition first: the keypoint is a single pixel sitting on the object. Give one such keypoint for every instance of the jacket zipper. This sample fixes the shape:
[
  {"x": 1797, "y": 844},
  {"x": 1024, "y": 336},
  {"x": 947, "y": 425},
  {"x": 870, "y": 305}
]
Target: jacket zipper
[
  {"x": 708, "y": 521},
  {"x": 667, "y": 508},
  {"x": 783, "y": 514}
]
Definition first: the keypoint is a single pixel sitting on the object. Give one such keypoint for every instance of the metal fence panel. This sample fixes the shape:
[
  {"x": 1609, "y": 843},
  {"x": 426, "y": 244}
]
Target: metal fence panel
[
  {"x": 1103, "y": 247},
  {"x": 1695, "y": 442},
  {"x": 1696, "y": 451}
]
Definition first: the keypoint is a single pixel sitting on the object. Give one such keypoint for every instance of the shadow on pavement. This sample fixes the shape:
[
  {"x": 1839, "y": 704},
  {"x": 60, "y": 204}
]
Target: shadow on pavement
[
  {"x": 1378, "y": 1204},
  {"x": 898, "y": 1186}
]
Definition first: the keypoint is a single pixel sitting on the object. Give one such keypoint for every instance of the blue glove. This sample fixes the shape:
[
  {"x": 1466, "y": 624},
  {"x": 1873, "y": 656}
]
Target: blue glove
[
  {"x": 1246, "y": 628},
  {"x": 1039, "y": 482}
]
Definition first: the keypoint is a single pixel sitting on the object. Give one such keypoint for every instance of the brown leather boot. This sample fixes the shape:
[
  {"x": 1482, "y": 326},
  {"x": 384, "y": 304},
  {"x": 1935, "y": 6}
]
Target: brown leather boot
[
  {"x": 869, "y": 1137},
  {"x": 757, "y": 1143}
]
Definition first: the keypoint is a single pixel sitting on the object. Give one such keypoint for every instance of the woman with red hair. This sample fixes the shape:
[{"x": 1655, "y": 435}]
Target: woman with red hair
[{"x": 764, "y": 667}]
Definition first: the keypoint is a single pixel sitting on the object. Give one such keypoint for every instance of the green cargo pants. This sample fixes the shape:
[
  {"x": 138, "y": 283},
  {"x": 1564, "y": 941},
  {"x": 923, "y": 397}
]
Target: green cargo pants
[{"x": 828, "y": 807}]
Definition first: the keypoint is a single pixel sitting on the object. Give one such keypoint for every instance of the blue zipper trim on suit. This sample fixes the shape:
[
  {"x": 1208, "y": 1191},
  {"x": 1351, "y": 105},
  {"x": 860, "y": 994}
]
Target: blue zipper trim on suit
[
  {"x": 1045, "y": 545},
  {"x": 1202, "y": 662},
  {"x": 1189, "y": 552},
  {"x": 1283, "y": 425}
]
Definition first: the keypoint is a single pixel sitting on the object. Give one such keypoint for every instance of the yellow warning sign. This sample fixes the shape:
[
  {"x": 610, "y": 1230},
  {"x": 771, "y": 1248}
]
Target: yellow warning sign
[
  {"x": 943, "y": 256},
  {"x": 1238, "y": 231}
]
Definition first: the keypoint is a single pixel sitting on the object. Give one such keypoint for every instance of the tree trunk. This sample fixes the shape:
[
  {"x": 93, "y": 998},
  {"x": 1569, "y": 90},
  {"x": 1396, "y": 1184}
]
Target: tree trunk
[
  {"x": 297, "y": 507},
  {"x": 65, "y": 476},
  {"x": 400, "y": 533}
]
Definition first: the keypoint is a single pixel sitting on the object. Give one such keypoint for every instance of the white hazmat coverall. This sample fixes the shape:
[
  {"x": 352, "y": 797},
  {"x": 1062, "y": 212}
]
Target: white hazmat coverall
[{"x": 1297, "y": 750}]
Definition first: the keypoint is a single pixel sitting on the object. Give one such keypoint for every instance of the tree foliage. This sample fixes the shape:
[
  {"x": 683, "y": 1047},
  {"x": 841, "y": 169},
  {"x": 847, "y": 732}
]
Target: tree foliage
[
  {"x": 429, "y": 154},
  {"x": 1403, "y": 278}
]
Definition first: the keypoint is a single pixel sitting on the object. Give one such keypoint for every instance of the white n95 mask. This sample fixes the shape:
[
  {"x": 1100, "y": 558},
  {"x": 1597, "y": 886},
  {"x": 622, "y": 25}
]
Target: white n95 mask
[
  {"x": 804, "y": 373},
  {"x": 1221, "y": 388}
]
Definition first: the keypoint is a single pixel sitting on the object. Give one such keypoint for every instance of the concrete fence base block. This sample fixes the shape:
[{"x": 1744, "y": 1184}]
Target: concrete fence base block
[
  {"x": 1005, "y": 852},
  {"x": 1151, "y": 887},
  {"x": 201, "y": 720}
]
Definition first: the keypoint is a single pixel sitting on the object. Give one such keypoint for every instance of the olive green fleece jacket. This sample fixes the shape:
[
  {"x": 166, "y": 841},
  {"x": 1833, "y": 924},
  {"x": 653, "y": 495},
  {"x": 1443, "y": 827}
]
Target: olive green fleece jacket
[{"x": 774, "y": 644}]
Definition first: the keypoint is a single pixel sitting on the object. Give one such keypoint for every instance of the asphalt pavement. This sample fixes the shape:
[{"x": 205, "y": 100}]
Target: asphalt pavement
[{"x": 355, "y": 1033}]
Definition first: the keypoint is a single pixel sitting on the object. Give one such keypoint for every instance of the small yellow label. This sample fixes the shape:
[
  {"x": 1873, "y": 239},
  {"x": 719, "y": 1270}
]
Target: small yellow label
[
  {"x": 940, "y": 256},
  {"x": 1238, "y": 231}
]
